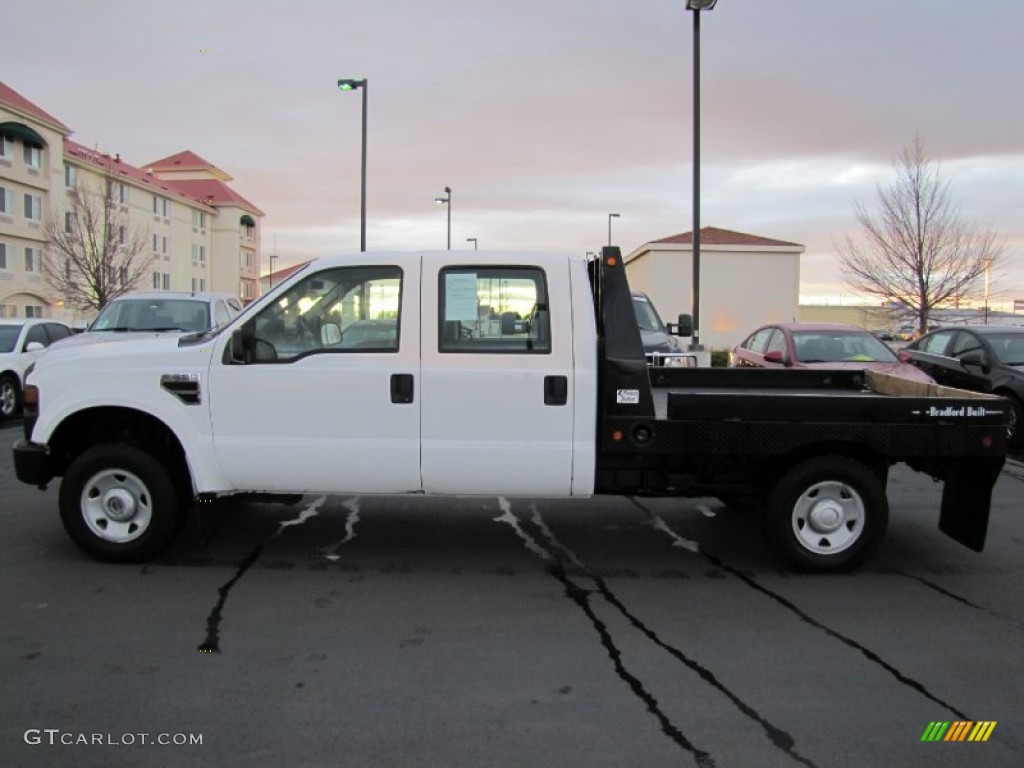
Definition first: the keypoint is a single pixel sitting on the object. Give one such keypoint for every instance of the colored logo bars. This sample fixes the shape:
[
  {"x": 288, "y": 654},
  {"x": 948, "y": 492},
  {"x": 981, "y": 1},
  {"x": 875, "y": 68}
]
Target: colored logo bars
[{"x": 959, "y": 730}]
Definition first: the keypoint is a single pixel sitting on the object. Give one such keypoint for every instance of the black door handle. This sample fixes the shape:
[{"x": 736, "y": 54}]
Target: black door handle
[
  {"x": 401, "y": 388},
  {"x": 556, "y": 390}
]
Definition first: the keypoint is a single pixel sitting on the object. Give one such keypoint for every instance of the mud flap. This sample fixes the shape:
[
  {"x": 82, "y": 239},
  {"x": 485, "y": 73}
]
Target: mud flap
[{"x": 966, "y": 499}]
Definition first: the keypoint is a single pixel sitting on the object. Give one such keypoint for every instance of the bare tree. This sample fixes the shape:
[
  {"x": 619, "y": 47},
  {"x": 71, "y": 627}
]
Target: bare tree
[
  {"x": 93, "y": 254},
  {"x": 916, "y": 251}
]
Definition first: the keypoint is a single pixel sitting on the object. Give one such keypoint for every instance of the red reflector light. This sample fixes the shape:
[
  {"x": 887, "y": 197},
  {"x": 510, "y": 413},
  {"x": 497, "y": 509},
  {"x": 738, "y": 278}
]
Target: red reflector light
[
  {"x": 617, "y": 436},
  {"x": 986, "y": 442}
]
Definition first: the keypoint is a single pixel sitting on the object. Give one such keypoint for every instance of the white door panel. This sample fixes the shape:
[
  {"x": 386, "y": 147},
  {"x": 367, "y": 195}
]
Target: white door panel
[
  {"x": 485, "y": 426},
  {"x": 313, "y": 410}
]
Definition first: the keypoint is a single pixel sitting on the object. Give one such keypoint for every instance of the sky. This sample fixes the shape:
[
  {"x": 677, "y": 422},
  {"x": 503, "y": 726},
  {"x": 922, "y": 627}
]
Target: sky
[{"x": 543, "y": 116}]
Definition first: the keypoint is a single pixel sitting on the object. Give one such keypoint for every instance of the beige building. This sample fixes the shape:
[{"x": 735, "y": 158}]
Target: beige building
[
  {"x": 200, "y": 234},
  {"x": 745, "y": 281}
]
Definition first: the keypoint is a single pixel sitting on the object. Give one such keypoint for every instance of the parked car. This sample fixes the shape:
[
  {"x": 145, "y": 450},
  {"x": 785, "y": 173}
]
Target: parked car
[
  {"x": 981, "y": 358},
  {"x": 21, "y": 342},
  {"x": 820, "y": 345},
  {"x": 661, "y": 342},
  {"x": 166, "y": 311}
]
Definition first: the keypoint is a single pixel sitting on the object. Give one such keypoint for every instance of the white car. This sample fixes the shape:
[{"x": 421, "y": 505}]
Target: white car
[
  {"x": 21, "y": 342},
  {"x": 166, "y": 311}
]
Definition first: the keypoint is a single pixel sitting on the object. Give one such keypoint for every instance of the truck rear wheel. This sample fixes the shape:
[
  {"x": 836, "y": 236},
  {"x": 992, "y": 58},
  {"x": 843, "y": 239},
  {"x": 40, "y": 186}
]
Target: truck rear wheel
[
  {"x": 827, "y": 514},
  {"x": 118, "y": 503}
]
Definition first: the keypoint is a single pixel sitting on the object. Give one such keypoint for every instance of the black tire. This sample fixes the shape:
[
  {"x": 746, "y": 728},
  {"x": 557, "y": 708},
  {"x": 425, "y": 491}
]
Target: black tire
[
  {"x": 827, "y": 514},
  {"x": 1015, "y": 429},
  {"x": 119, "y": 503},
  {"x": 10, "y": 396}
]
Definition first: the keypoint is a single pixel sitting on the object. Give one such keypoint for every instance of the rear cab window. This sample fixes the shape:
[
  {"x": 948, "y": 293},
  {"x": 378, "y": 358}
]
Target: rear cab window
[{"x": 494, "y": 310}]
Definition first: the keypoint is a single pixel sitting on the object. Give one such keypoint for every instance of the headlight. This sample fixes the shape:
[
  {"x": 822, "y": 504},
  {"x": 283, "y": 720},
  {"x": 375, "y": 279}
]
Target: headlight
[{"x": 679, "y": 361}]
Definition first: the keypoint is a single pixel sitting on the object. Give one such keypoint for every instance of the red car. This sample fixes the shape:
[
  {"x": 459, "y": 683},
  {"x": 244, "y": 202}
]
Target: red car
[{"x": 820, "y": 345}]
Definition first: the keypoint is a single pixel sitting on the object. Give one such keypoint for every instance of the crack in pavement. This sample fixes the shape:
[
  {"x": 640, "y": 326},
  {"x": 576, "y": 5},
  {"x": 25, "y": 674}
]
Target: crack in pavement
[
  {"x": 780, "y": 738},
  {"x": 660, "y": 524},
  {"x": 962, "y": 600},
  {"x": 331, "y": 550},
  {"x": 211, "y": 643},
  {"x": 581, "y": 597}
]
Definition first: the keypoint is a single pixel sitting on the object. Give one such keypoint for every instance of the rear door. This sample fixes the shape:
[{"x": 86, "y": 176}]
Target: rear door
[{"x": 497, "y": 376}]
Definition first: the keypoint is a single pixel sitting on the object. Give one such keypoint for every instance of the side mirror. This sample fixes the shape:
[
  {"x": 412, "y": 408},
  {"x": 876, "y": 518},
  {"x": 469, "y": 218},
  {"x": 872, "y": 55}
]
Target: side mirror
[
  {"x": 330, "y": 334},
  {"x": 683, "y": 327},
  {"x": 975, "y": 358},
  {"x": 237, "y": 347},
  {"x": 904, "y": 356},
  {"x": 34, "y": 346},
  {"x": 775, "y": 356}
]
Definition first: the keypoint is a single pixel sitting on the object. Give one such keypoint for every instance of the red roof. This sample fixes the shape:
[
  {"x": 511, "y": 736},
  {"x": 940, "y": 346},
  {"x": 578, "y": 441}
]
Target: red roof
[
  {"x": 11, "y": 98},
  {"x": 182, "y": 161},
  {"x": 213, "y": 192},
  {"x": 209, "y": 192},
  {"x": 281, "y": 274},
  {"x": 715, "y": 236},
  {"x": 119, "y": 168}
]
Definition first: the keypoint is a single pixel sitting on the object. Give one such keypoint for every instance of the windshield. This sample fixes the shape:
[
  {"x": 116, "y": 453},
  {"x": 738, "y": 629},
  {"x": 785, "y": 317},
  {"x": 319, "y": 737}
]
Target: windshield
[
  {"x": 9, "y": 337},
  {"x": 646, "y": 316},
  {"x": 1008, "y": 347},
  {"x": 841, "y": 347},
  {"x": 153, "y": 315}
]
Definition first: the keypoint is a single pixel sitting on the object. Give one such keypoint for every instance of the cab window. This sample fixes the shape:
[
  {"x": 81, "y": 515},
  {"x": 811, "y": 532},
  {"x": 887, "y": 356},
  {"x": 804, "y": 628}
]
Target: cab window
[
  {"x": 494, "y": 310},
  {"x": 349, "y": 309}
]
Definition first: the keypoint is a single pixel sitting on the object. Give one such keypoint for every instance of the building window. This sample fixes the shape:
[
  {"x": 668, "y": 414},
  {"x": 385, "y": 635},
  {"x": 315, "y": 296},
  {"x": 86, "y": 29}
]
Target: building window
[
  {"x": 33, "y": 156},
  {"x": 69, "y": 222},
  {"x": 199, "y": 219},
  {"x": 70, "y": 176},
  {"x": 155, "y": 240},
  {"x": 167, "y": 208},
  {"x": 3, "y": 256},
  {"x": 8, "y": 310},
  {"x": 34, "y": 311},
  {"x": 67, "y": 269},
  {"x": 166, "y": 281},
  {"x": 120, "y": 235},
  {"x": 156, "y": 281},
  {"x": 33, "y": 207},
  {"x": 31, "y": 260},
  {"x": 156, "y": 204},
  {"x": 122, "y": 194},
  {"x": 6, "y": 147},
  {"x": 165, "y": 245},
  {"x": 6, "y": 202}
]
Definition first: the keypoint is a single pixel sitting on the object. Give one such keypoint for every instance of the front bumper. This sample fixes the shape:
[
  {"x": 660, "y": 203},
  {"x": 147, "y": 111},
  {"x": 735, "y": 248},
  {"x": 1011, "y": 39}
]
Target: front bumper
[{"x": 32, "y": 463}]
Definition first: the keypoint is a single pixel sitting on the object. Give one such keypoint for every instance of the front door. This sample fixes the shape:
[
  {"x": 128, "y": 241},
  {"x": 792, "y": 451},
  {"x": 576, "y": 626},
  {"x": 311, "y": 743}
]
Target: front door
[{"x": 327, "y": 398}]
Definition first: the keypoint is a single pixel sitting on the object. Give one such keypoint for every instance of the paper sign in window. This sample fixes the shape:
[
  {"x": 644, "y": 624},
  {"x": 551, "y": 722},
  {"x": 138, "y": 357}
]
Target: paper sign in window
[{"x": 460, "y": 297}]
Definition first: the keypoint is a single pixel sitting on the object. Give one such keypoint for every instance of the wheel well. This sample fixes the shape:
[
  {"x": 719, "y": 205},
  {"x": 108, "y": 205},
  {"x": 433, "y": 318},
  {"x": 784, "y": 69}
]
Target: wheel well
[
  {"x": 870, "y": 458},
  {"x": 118, "y": 425},
  {"x": 12, "y": 374}
]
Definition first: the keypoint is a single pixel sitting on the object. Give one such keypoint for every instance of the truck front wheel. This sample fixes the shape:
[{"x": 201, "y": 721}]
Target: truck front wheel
[
  {"x": 827, "y": 514},
  {"x": 119, "y": 504}
]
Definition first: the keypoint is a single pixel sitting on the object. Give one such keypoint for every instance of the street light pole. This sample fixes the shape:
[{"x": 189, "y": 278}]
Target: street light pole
[
  {"x": 473, "y": 241},
  {"x": 364, "y": 85},
  {"x": 696, "y": 6},
  {"x": 610, "y": 217},
  {"x": 447, "y": 200}
]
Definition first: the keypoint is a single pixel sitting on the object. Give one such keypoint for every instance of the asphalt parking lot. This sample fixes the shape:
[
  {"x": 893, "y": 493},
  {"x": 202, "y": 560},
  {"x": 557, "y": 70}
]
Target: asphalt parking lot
[{"x": 504, "y": 632}]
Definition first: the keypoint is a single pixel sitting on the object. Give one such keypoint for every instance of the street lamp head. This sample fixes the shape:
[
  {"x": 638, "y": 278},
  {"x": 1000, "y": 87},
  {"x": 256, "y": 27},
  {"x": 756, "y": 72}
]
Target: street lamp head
[
  {"x": 446, "y": 198},
  {"x": 700, "y": 5},
  {"x": 613, "y": 215},
  {"x": 351, "y": 85}
]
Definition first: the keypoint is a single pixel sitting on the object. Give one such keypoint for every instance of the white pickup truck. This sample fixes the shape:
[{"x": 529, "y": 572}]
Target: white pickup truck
[{"x": 479, "y": 373}]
